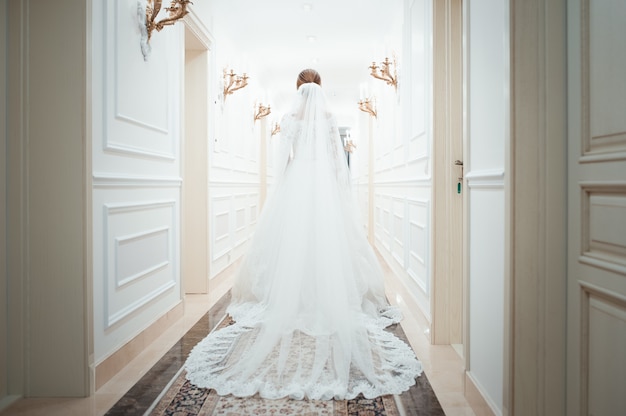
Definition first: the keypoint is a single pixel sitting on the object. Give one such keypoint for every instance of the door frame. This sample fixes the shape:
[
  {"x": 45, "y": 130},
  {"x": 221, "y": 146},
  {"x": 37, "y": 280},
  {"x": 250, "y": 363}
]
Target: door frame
[
  {"x": 536, "y": 211},
  {"x": 190, "y": 284},
  {"x": 448, "y": 298}
]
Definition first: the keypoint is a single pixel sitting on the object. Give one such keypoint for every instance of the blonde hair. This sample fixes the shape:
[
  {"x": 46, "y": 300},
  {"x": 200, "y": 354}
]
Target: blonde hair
[{"x": 307, "y": 76}]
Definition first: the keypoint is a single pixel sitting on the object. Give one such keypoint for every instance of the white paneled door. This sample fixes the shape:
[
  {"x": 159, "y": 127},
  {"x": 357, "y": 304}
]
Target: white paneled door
[{"x": 596, "y": 358}]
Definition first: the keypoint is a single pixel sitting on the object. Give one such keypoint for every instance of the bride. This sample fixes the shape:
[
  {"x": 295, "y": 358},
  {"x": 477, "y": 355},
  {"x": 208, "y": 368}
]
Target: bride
[{"x": 308, "y": 302}]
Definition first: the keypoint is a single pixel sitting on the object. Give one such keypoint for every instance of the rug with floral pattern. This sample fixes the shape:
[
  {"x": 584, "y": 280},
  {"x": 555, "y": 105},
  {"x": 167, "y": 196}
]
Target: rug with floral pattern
[{"x": 185, "y": 399}]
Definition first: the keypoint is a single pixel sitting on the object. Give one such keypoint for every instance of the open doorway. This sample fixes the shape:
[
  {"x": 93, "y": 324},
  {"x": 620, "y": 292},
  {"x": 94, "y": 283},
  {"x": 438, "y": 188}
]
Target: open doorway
[{"x": 194, "y": 215}]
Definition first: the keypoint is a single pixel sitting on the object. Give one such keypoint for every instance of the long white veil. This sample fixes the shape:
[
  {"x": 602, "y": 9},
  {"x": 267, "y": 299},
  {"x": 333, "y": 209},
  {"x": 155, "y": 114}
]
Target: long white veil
[{"x": 308, "y": 301}]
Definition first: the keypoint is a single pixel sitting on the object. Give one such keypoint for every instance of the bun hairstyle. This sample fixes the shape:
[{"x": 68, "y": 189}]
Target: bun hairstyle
[{"x": 307, "y": 76}]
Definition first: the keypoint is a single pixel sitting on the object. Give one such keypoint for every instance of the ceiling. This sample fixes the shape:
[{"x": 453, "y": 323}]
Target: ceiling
[{"x": 274, "y": 40}]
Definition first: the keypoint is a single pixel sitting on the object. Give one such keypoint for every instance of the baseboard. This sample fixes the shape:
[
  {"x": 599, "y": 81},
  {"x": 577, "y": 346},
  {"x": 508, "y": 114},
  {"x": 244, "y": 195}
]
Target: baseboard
[
  {"x": 114, "y": 363},
  {"x": 7, "y": 401},
  {"x": 480, "y": 404},
  {"x": 416, "y": 296}
]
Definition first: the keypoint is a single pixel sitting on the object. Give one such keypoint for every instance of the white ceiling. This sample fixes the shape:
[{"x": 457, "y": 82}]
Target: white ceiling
[{"x": 271, "y": 40}]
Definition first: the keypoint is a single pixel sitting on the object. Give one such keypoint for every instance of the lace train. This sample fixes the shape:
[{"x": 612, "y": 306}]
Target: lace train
[{"x": 304, "y": 366}]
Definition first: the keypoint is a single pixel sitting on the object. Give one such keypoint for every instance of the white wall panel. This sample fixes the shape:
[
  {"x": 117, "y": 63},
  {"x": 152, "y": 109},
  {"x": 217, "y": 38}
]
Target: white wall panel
[
  {"x": 233, "y": 215},
  {"x": 487, "y": 107},
  {"x": 139, "y": 256},
  {"x": 419, "y": 242},
  {"x": 607, "y": 124},
  {"x": 603, "y": 226},
  {"x": 486, "y": 288},
  {"x": 136, "y": 261},
  {"x": 603, "y": 363},
  {"x": 487, "y": 83},
  {"x": 402, "y": 181},
  {"x": 137, "y": 101},
  {"x": 136, "y": 175}
]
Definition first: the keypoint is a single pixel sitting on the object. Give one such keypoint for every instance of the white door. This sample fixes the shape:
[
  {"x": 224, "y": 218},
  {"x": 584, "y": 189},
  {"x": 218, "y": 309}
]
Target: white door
[{"x": 596, "y": 357}]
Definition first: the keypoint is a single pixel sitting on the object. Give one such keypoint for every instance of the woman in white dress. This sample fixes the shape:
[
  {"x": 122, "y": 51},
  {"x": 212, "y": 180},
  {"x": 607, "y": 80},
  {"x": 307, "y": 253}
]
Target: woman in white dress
[{"x": 308, "y": 302}]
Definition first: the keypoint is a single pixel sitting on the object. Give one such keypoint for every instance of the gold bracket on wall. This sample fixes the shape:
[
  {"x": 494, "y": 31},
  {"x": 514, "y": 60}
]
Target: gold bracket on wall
[
  {"x": 384, "y": 72},
  {"x": 233, "y": 82},
  {"x": 367, "y": 106},
  {"x": 177, "y": 10},
  {"x": 147, "y": 12},
  {"x": 261, "y": 112},
  {"x": 275, "y": 129}
]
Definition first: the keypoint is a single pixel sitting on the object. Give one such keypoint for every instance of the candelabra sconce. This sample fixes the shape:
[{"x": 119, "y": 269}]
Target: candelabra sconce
[
  {"x": 384, "y": 72},
  {"x": 177, "y": 10},
  {"x": 350, "y": 146},
  {"x": 275, "y": 129},
  {"x": 148, "y": 10},
  {"x": 368, "y": 107},
  {"x": 261, "y": 112},
  {"x": 233, "y": 82}
]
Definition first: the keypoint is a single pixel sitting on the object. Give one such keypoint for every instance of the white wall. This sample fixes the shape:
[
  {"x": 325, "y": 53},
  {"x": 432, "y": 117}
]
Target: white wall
[
  {"x": 136, "y": 175},
  {"x": 233, "y": 175},
  {"x": 487, "y": 80},
  {"x": 402, "y": 164}
]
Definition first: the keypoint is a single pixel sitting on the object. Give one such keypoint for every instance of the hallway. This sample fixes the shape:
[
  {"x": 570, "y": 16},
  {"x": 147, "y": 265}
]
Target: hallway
[{"x": 488, "y": 163}]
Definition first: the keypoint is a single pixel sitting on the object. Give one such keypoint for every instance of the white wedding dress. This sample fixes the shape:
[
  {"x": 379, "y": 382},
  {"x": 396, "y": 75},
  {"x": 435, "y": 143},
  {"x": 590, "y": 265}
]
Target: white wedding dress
[{"x": 308, "y": 302}]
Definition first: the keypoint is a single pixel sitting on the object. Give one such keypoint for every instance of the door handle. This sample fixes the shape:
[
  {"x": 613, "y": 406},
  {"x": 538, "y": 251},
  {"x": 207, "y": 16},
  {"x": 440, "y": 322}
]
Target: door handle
[{"x": 459, "y": 184}]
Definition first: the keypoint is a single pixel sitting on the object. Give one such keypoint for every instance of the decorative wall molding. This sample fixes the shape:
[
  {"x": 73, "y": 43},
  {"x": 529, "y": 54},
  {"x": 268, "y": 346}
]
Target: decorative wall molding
[
  {"x": 426, "y": 181},
  {"x": 487, "y": 178},
  {"x": 136, "y": 151},
  {"x": 238, "y": 212},
  {"x": 139, "y": 123},
  {"x": 602, "y": 157},
  {"x": 104, "y": 180},
  {"x": 123, "y": 131},
  {"x": 109, "y": 210},
  {"x": 421, "y": 258},
  {"x": 234, "y": 184},
  {"x": 610, "y": 145},
  {"x": 199, "y": 29},
  {"x": 139, "y": 303},
  {"x": 603, "y": 210},
  {"x": 139, "y": 206},
  {"x": 121, "y": 241},
  {"x": 612, "y": 307}
]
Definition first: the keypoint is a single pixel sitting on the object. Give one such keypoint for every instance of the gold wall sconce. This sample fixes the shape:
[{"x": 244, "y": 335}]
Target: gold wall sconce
[
  {"x": 350, "y": 146},
  {"x": 233, "y": 82},
  {"x": 261, "y": 112},
  {"x": 275, "y": 129},
  {"x": 368, "y": 107},
  {"x": 147, "y": 12},
  {"x": 177, "y": 10},
  {"x": 384, "y": 72}
]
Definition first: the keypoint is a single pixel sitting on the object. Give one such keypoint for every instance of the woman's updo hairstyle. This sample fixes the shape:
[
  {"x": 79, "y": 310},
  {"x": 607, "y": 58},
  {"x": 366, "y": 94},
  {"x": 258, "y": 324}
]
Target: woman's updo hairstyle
[{"x": 307, "y": 76}]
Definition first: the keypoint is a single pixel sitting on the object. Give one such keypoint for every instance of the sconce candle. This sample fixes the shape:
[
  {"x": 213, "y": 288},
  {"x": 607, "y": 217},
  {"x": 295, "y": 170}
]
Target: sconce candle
[
  {"x": 275, "y": 129},
  {"x": 368, "y": 107},
  {"x": 262, "y": 112},
  {"x": 233, "y": 82},
  {"x": 385, "y": 72},
  {"x": 147, "y": 12},
  {"x": 177, "y": 10}
]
